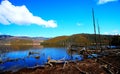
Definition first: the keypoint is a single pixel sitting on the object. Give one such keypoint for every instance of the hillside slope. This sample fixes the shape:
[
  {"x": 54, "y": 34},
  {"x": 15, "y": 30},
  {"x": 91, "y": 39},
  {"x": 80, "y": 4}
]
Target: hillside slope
[
  {"x": 20, "y": 40},
  {"x": 80, "y": 39}
]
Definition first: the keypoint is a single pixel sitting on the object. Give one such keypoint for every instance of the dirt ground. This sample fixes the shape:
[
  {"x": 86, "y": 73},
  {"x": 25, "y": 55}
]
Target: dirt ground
[{"x": 87, "y": 66}]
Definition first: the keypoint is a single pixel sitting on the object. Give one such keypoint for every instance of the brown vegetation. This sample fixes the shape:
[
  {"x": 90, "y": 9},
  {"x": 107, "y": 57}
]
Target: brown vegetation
[
  {"x": 80, "y": 39},
  {"x": 88, "y": 66}
]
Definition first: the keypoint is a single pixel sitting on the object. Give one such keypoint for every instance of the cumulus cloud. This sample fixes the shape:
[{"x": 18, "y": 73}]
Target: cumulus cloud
[
  {"x": 20, "y": 15},
  {"x": 114, "y": 32},
  {"x": 106, "y": 1}
]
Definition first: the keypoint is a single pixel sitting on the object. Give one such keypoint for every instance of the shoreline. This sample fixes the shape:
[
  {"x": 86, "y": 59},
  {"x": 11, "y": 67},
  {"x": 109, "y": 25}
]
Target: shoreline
[{"x": 87, "y": 66}]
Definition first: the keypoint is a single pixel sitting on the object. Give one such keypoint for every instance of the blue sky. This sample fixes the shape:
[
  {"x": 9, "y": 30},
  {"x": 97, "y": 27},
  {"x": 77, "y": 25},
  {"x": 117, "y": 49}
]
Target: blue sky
[{"x": 50, "y": 18}]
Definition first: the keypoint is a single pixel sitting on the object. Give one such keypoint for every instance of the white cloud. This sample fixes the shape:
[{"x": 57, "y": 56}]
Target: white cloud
[
  {"x": 114, "y": 32},
  {"x": 20, "y": 15},
  {"x": 79, "y": 24},
  {"x": 105, "y": 1},
  {"x": 106, "y": 33}
]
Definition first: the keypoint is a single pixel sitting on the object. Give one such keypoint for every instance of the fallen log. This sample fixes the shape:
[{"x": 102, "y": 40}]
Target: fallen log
[
  {"x": 108, "y": 67},
  {"x": 52, "y": 61},
  {"x": 81, "y": 71}
]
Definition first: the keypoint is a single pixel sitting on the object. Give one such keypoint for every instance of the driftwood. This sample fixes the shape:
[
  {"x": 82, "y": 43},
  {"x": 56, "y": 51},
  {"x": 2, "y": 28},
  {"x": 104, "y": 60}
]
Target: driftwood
[
  {"x": 109, "y": 67},
  {"x": 32, "y": 53},
  {"x": 81, "y": 71},
  {"x": 61, "y": 61},
  {"x": 105, "y": 67},
  {"x": 37, "y": 57},
  {"x": 51, "y": 61}
]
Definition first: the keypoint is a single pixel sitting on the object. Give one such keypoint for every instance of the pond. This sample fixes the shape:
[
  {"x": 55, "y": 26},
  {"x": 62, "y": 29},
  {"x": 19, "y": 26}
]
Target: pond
[{"x": 31, "y": 57}]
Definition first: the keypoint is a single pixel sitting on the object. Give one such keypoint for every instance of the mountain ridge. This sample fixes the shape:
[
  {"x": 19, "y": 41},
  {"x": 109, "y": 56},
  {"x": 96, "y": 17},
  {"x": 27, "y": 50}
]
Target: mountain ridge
[
  {"x": 20, "y": 40},
  {"x": 82, "y": 39}
]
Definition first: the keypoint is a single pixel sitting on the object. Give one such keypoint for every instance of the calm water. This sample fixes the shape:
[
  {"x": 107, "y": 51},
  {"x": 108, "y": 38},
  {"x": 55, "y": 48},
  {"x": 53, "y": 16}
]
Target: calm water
[{"x": 30, "y": 57}]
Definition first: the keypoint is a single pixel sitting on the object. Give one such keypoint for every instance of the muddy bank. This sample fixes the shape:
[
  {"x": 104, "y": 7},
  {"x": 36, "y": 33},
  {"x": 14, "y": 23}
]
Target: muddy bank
[
  {"x": 103, "y": 65},
  {"x": 88, "y": 66}
]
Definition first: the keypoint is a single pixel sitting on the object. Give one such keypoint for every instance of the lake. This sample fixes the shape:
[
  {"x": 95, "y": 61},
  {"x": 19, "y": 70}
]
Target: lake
[{"x": 14, "y": 59}]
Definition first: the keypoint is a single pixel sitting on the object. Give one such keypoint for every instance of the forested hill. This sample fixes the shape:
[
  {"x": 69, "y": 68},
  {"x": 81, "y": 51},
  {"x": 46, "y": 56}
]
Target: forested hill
[
  {"x": 82, "y": 39},
  {"x": 20, "y": 40}
]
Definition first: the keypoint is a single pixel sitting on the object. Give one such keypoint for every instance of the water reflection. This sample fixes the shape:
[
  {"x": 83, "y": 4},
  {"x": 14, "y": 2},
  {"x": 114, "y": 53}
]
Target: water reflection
[
  {"x": 28, "y": 57},
  {"x": 9, "y": 48}
]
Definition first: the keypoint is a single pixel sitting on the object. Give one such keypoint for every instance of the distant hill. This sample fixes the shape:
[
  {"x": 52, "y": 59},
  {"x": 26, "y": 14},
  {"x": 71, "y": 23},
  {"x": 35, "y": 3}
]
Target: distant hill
[
  {"x": 78, "y": 39},
  {"x": 21, "y": 37},
  {"x": 5, "y": 36},
  {"x": 8, "y": 39}
]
